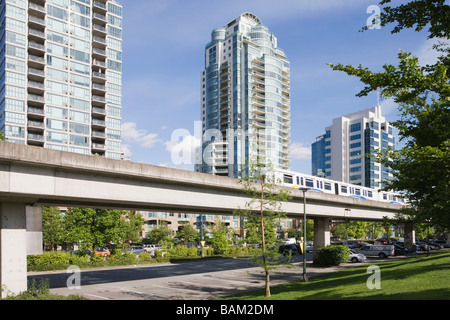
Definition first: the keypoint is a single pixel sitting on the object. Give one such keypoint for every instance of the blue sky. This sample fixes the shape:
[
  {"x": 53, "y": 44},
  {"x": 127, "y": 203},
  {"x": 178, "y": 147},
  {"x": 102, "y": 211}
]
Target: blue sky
[{"x": 163, "y": 55}]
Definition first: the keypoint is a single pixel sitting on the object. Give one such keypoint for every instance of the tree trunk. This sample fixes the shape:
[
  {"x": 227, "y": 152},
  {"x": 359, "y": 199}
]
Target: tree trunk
[{"x": 267, "y": 284}]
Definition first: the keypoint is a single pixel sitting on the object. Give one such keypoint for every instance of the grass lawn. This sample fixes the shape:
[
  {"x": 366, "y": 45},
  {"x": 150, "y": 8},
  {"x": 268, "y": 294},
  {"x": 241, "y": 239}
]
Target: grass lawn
[{"x": 413, "y": 278}]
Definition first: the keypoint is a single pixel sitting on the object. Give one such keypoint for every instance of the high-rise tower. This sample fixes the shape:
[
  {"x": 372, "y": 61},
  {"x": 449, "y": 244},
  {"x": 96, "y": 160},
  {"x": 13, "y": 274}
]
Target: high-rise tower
[
  {"x": 245, "y": 99},
  {"x": 61, "y": 71},
  {"x": 342, "y": 152}
]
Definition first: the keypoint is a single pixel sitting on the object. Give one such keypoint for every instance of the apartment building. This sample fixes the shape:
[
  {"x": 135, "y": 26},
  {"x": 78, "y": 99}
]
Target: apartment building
[
  {"x": 341, "y": 153},
  {"x": 61, "y": 74},
  {"x": 245, "y": 100}
]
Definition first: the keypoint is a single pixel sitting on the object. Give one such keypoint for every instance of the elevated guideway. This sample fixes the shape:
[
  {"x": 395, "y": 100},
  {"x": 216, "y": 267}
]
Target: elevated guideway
[{"x": 34, "y": 176}]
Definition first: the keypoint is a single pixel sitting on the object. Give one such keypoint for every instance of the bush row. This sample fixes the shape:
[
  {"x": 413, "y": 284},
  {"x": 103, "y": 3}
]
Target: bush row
[{"x": 61, "y": 260}]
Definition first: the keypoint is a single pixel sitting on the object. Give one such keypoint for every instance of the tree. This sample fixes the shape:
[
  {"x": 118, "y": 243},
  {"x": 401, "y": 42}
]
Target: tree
[
  {"x": 187, "y": 233},
  {"x": 133, "y": 226},
  {"x": 2, "y": 136},
  {"x": 159, "y": 234},
  {"x": 421, "y": 168},
  {"x": 53, "y": 232},
  {"x": 220, "y": 237},
  {"x": 261, "y": 214},
  {"x": 95, "y": 227}
]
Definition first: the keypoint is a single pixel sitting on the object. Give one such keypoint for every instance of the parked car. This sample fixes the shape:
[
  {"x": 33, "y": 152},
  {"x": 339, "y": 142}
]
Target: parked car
[
  {"x": 151, "y": 247},
  {"x": 136, "y": 249},
  {"x": 399, "y": 250},
  {"x": 442, "y": 243},
  {"x": 382, "y": 251},
  {"x": 288, "y": 249},
  {"x": 102, "y": 252},
  {"x": 309, "y": 246},
  {"x": 356, "y": 257}
]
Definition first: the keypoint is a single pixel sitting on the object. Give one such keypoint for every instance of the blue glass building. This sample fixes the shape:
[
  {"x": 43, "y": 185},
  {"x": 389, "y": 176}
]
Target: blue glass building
[
  {"x": 245, "y": 107},
  {"x": 342, "y": 152}
]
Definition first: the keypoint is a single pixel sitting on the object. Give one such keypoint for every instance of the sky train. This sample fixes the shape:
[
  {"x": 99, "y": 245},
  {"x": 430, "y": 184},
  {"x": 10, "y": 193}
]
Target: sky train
[{"x": 299, "y": 180}]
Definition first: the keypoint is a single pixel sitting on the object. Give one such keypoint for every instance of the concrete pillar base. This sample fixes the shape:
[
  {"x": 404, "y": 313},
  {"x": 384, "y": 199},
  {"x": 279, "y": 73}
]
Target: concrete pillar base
[
  {"x": 321, "y": 235},
  {"x": 13, "y": 257}
]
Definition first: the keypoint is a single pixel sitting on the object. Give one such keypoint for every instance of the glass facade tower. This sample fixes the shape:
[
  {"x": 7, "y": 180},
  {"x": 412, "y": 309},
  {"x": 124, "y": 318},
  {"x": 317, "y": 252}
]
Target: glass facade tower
[
  {"x": 61, "y": 71},
  {"x": 245, "y": 105},
  {"x": 341, "y": 152}
]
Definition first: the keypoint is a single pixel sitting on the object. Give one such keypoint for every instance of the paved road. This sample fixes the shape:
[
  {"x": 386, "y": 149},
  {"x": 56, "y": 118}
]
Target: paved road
[{"x": 197, "y": 280}]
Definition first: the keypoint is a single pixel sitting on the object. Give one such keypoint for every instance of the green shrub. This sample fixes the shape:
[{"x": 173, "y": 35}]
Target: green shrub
[
  {"x": 145, "y": 256},
  {"x": 332, "y": 255},
  {"x": 129, "y": 258},
  {"x": 48, "y": 261},
  {"x": 219, "y": 243}
]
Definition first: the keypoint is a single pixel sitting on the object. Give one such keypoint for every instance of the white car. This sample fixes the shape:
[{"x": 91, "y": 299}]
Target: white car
[{"x": 356, "y": 257}]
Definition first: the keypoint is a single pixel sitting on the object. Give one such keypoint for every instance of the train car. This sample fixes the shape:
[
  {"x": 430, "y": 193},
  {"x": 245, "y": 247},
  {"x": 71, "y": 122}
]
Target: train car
[{"x": 299, "y": 180}]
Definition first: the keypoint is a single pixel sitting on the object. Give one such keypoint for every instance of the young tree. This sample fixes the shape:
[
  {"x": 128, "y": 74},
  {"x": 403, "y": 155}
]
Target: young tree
[
  {"x": 220, "y": 237},
  {"x": 261, "y": 215},
  {"x": 421, "y": 169}
]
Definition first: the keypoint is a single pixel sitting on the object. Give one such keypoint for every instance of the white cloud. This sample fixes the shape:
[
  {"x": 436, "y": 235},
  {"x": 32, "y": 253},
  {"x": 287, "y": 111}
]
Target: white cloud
[
  {"x": 126, "y": 150},
  {"x": 140, "y": 136},
  {"x": 299, "y": 151}
]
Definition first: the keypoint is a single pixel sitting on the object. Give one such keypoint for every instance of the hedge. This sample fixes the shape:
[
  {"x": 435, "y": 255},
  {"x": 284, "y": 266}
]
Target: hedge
[
  {"x": 332, "y": 255},
  {"x": 61, "y": 260}
]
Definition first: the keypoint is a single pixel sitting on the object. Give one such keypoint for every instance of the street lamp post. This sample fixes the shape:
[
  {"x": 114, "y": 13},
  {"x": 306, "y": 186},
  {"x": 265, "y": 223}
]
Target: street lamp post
[{"x": 304, "y": 234}]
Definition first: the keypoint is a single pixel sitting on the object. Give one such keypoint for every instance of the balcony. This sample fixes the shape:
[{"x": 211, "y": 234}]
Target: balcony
[
  {"x": 98, "y": 123},
  {"x": 36, "y": 23},
  {"x": 98, "y": 88},
  {"x": 99, "y": 30},
  {"x": 99, "y": 75},
  {"x": 98, "y": 147},
  {"x": 35, "y": 139},
  {"x": 99, "y": 40},
  {"x": 98, "y": 135},
  {"x": 36, "y": 126},
  {"x": 36, "y": 87},
  {"x": 34, "y": 99},
  {"x": 36, "y": 48},
  {"x": 98, "y": 111},
  {"x": 99, "y": 17},
  {"x": 99, "y": 63},
  {"x": 36, "y": 34},
  {"x": 259, "y": 96},
  {"x": 36, "y": 9},
  {"x": 98, "y": 100},
  {"x": 98, "y": 6},
  {"x": 35, "y": 113},
  {"x": 36, "y": 74},
  {"x": 98, "y": 52}
]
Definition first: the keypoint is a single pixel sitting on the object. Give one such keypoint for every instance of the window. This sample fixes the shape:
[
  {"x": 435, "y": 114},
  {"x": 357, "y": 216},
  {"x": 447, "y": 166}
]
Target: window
[
  {"x": 287, "y": 179},
  {"x": 355, "y": 127}
]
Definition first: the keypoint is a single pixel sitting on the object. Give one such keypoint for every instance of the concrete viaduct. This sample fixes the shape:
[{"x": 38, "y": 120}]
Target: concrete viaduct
[{"x": 33, "y": 176}]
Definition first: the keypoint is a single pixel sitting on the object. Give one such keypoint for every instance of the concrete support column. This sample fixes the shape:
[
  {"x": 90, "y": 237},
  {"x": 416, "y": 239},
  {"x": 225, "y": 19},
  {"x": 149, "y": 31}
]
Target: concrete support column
[
  {"x": 321, "y": 234},
  {"x": 13, "y": 254},
  {"x": 410, "y": 236}
]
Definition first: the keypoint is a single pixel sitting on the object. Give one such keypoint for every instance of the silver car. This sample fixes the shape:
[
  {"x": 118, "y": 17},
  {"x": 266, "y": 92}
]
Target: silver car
[{"x": 356, "y": 257}]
